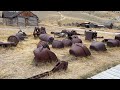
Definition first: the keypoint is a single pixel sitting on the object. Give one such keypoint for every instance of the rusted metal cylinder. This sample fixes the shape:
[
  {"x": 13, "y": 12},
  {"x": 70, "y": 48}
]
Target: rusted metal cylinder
[
  {"x": 44, "y": 55},
  {"x": 79, "y": 49},
  {"x": 98, "y": 46},
  {"x": 113, "y": 43},
  {"x": 67, "y": 42},
  {"x": 76, "y": 40},
  {"x": 46, "y": 37},
  {"x": 44, "y": 44},
  {"x": 14, "y": 39},
  {"x": 117, "y": 37},
  {"x": 6, "y": 44},
  {"x": 57, "y": 44}
]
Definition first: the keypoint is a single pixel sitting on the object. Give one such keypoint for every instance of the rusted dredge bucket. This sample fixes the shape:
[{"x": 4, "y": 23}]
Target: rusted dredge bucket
[
  {"x": 113, "y": 43},
  {"x": 79, "y": 49},
  {"x": 44, "y": 55},
  {"x": 46, "y": 37},
  {"x": 98, "y": 46},
  {"x": 67, "y": 42},
  {"x": 44, "y": 44},
  {"x": 57, "y": 44}
]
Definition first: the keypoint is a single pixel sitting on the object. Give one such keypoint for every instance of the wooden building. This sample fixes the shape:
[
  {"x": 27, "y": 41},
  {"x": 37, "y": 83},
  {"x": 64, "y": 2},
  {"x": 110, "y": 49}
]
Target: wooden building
[{"x": 21, "y": 18}]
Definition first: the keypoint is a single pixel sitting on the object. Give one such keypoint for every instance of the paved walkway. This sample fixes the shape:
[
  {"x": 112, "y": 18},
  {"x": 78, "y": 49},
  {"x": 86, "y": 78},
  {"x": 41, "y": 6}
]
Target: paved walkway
[{"x": 112, "y": 73}]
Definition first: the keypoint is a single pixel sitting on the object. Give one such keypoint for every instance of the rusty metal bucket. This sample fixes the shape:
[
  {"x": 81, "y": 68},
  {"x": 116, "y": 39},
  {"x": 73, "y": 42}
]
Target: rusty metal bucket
[
  {"x": 98, "y": 46},
  {"x": 79, "y": 49},
  {"x": 67, "y": 42},
  {"x": 76, "y": 40},
  {"x": 44, "y": 55},
  {"x": 113, "y": 43},
  {"x": 44, "y": 44},
  {"x": 57, "y": 44},
  {"x": 46, "y": 37}
]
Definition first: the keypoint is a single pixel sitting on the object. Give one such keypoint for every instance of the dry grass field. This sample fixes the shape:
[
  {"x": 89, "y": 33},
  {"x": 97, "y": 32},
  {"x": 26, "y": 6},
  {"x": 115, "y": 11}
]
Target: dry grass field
[{"x": 17, "y": 62}]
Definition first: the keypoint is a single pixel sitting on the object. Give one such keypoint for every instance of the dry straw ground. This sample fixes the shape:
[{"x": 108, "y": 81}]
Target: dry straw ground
[{"x": 17, "y": 62}]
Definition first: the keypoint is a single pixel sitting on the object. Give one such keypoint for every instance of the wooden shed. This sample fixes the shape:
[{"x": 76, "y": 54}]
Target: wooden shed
[{"x": 21, "y": 18}]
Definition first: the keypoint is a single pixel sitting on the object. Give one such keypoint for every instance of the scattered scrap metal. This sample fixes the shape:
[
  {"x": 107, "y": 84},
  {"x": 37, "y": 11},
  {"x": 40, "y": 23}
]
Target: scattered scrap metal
[
  {"x": 91, "y": 35},
  {"x": 38, "y": 31},
  {"x": 13, "y": 40},
  {"x": 60, "y": 66}
]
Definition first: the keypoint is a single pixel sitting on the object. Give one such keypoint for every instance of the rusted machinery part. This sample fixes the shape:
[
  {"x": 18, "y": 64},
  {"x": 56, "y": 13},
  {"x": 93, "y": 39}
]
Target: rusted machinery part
[
  {"x": 57, "y": 44},
  {"x": 6, "y": 44},
  {"x": 46, "y": 37},
  {"x": 100, "y": 37},
  {"x": 90, "y": 35},
  {"x": 21, "y": 36},
  {"x": 79, "y": 49},
  {"x": 44, "y": 44},
  {"x": 67, "y": 42},
  {"x": 76, "y": 40},
  {"x": 44, "y": 55},
  {"x": 14, "y": 39},
  {"x": 105, "y": 40},
  {"x": 61, "y": 65},
  {"x": 59, "y": 34},
  {"x": 117, "y": 37},
  {"x": 98, "y": 46},
  {"x": 113, "y": 43},
  {"x": 38, "y": 31},
  {"x": 74, "y": 36}
]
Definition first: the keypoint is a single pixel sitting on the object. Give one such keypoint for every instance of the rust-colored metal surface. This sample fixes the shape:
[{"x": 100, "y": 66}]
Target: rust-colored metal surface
[
  {"x": 6, "y": 44},
  {"x": 44, "y": 55},
  {"x": 38, "y": 31},
  {"x": 98, "y": 46},
  {"x": 74, "y": 36},
  {"x": 44, "y": 44},
  {"x": 90, "y": 35},
  {"x": 76, "y": 40},
  {"x": 57, "y": 44},
  {"x": 14, "y": 39},
  {"x": 79, "y": 49},
  {"x": 105, "y": 40},
  {"x": 117, "y": 37},
  {"x": 60, "y": 66},
  {"x": 67, "y": 42},
  {"x": 113, "y": 43},
  {"x": 46, "y": 37}
]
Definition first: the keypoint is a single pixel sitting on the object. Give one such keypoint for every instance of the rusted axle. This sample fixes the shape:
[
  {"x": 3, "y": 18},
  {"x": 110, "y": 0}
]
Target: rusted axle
[{"x": 6, "y": 44}]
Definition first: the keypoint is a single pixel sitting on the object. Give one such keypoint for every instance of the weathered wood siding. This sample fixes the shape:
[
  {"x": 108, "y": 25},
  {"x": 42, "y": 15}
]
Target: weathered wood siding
[
  {"x": 21, "y": 21},
  {"x": 14, "y": 21},
  {"x": 32, "y": 21}
]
